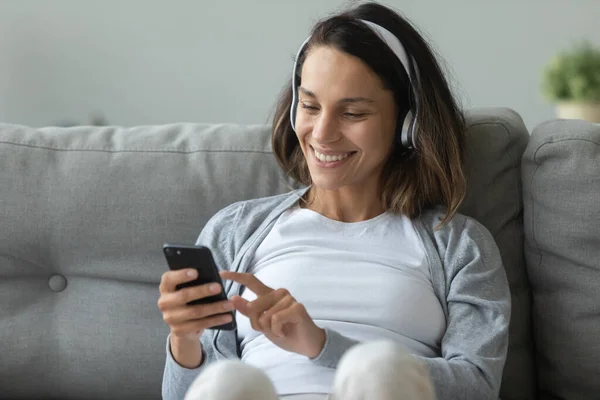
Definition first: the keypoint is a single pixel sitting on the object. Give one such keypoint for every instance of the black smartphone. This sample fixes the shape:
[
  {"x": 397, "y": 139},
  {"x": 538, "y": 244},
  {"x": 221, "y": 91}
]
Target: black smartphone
[{"x": 200, "y": 258}]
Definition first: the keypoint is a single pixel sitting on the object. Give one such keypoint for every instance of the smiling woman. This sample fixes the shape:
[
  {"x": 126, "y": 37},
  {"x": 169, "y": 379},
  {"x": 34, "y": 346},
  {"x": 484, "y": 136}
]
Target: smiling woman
[
  {"x": 367, "y": 283},
  {"x": 373, "y": 85}
]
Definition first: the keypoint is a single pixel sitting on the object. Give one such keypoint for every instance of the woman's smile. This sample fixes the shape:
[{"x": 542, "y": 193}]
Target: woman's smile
[{"x": 330, "y": 159}]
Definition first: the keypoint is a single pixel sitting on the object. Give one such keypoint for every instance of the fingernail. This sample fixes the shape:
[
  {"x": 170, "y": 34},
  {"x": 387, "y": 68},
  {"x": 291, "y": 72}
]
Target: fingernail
[
  {"x": 191, "y": 273},
  {"x": 215, "y": 288}
]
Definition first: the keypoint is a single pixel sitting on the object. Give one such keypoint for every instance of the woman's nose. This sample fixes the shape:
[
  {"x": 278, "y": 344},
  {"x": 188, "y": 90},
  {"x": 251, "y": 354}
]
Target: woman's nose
[{"x": 326, "y": 129}]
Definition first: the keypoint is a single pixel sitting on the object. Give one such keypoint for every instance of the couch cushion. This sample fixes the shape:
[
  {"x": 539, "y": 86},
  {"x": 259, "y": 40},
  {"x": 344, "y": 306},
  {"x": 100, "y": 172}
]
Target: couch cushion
[
  {"x": 496, "y": 140},
  {"x": 561, "y": 179},
  {"x": 91, "y": 208}
]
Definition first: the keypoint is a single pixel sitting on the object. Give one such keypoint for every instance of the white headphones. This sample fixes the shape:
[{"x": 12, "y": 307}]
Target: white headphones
[{"x": 408, "y": 133}]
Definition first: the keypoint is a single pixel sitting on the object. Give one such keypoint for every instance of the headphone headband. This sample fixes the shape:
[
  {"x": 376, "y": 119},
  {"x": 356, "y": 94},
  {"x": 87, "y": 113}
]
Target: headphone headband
[
  {"x": 408, "y": 128},
  {"x": 393, "y": 43}
]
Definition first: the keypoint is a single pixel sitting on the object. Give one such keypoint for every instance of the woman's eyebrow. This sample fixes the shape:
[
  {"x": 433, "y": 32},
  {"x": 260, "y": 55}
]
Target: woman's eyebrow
[
  {"x": 307, "y": 92},
  {"x": 356, "y": 100},
  {"x": 344, "y": 100}
]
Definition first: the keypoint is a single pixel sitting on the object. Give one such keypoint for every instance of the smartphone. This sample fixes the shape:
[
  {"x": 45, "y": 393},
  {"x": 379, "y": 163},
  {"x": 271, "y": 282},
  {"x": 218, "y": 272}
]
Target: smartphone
[{"x": 200, "y": 258}]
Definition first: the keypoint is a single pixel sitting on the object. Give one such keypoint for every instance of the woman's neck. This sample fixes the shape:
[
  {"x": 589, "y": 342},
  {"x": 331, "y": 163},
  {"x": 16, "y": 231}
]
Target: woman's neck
[{"x": 344, "y": 204}]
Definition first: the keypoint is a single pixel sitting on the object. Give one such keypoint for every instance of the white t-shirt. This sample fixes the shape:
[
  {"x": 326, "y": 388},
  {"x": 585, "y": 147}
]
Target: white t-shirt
[{"x": 366, "y": 280}]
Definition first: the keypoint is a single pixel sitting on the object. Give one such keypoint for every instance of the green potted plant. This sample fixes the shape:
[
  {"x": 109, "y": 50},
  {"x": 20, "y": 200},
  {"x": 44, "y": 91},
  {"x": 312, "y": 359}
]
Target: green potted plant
[{"x": 572, "y": 81}]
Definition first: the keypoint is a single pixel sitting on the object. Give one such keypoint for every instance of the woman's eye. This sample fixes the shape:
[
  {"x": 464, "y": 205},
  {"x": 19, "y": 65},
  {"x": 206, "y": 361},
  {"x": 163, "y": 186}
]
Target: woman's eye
[
  {"x": 308, "y": 107},
  {"x": 354, "y": 115}
]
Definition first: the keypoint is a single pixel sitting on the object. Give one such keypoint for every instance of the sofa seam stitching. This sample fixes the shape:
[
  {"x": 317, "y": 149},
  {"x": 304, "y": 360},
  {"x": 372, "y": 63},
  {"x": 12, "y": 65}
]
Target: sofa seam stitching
[{"x": 233, "y": 150}]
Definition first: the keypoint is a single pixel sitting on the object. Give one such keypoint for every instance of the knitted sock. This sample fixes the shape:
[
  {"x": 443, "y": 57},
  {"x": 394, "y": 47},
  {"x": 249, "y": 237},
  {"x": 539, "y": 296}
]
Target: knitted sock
[
  {"x": 381, "y": 370},
  {"x": 231, "y": 380}
]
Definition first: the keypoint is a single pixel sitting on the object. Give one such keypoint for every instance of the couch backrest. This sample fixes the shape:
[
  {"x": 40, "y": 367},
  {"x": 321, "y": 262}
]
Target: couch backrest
[
  {"x": 561, "y": 181},
  {"x": 84, "y": 212}
]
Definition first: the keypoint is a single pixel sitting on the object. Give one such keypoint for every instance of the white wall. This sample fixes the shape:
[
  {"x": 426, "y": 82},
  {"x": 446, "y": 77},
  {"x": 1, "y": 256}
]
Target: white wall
[{"x": 145, "y": 62}]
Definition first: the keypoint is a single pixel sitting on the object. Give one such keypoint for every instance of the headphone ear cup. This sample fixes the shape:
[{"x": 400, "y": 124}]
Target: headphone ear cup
[
  {"x": 404, "y": 130},
  {"x": 412, "y": 133}
]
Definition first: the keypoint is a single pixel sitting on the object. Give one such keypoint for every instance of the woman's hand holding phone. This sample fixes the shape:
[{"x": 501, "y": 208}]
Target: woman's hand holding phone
[{"x": 187, "y": 322}]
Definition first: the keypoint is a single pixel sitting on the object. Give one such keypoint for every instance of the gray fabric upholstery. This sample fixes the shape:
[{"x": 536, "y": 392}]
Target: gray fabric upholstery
[
  {"x": 561, "y": 177},
  {"x": 496, "y": 140},
  {"x": 95, "y": 205}
]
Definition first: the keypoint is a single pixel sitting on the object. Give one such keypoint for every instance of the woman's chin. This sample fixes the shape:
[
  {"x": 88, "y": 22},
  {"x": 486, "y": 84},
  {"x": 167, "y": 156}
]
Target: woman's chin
[{"x": 326, "y": 184}]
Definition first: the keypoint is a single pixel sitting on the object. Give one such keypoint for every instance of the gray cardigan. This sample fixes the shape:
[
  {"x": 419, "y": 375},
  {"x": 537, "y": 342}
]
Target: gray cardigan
[{"x": 467, "y": 275}]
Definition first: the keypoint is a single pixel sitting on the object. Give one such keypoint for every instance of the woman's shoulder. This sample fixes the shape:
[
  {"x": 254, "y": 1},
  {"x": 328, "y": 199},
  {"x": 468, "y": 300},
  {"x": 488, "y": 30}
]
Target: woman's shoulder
[
  {"x": 459, "y": 241},
  {"x": 467, "y": 252},
  {"x": 460, "y": 228}
]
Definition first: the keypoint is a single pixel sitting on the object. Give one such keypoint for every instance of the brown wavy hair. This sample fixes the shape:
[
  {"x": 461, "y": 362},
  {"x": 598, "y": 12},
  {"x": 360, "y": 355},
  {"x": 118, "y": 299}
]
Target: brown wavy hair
[{"x": 412, "y": 180}]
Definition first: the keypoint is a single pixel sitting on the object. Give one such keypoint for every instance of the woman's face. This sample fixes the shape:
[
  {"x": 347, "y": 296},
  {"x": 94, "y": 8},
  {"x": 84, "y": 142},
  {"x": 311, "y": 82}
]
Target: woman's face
[{"x": 346, "y": 120}]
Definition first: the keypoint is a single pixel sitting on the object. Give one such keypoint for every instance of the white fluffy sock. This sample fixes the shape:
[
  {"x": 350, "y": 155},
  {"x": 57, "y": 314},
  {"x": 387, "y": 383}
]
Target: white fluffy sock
[
  {"x": 231, "y": 380},
  {"x": 381, "y": 370}
]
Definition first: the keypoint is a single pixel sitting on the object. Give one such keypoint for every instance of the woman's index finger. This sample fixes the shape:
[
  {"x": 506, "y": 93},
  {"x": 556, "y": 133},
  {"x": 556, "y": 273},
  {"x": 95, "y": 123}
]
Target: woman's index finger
[{"x": 248, "y": 280}]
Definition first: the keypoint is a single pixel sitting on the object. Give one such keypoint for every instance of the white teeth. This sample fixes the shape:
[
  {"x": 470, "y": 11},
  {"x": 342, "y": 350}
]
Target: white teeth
[{"x": 330, "y": 158}]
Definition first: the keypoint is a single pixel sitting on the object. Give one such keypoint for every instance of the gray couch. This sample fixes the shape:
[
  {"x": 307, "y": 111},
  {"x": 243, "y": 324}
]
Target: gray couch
[{"x": 84, "y": 212}]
